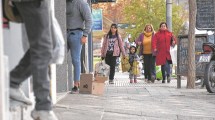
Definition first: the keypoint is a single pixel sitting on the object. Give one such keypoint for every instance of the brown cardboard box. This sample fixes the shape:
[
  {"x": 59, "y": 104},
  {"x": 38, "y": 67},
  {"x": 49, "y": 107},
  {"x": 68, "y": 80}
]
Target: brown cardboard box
[
  {"x": 89, "y": 86},
  {"x": 97, "y": 88},
  {"x": 100, "y": 79},
  {"x": 86, "y": 81}
]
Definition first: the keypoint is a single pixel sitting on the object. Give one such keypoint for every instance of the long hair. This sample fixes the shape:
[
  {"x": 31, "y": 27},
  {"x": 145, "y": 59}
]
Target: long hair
[{"x": 110, "y": 33}]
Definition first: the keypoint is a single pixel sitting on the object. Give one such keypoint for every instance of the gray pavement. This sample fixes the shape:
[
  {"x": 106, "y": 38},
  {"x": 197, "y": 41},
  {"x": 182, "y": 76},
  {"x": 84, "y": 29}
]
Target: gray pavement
[{"x": 140, "y": 101}]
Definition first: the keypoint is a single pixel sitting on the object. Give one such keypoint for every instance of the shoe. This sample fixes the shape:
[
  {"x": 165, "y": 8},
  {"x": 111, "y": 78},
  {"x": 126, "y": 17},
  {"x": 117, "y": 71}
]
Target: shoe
[
  {"x": 18, "y": 95},
  {"x": 168, "y": 79},
  {"x": 75, "y": 89},
  {"x": 148, "y": 81},
  {"x": 153, "y": 79},
  {"x": 43, "y": 115},
  {"x": 163, "y": 81},
  {"x": 131, "y": 81},
  {"x": 135, "y": 81},
  {"x": 111, "y": 82}
]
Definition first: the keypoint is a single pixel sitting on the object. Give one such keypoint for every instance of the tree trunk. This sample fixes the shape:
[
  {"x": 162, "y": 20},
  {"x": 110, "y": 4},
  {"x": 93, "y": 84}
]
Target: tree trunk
[{"x": 191, "y": 45}]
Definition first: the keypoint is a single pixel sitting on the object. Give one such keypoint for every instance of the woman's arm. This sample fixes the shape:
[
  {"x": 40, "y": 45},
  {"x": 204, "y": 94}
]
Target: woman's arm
[
  {"x": 103, "y": 46},
  {"x": 121, "y": 45}
]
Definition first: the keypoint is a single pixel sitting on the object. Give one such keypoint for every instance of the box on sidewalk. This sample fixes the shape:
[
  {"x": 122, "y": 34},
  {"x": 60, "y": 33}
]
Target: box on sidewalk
[
  {"x": 86, "y": 81},
  {"x": 100, "y": 79},
  {"x": 90, "y": 86}
]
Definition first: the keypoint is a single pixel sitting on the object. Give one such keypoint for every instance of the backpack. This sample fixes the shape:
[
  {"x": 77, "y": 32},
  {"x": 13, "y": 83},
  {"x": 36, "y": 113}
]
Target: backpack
[{"x": 10, "y": 12}]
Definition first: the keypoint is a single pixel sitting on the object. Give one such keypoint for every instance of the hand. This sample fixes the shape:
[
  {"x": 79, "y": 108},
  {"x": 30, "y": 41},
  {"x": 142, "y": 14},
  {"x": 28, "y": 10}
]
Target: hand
[
  {"x": 124, "y": 56},
  {"x": 83, "y": 39},
  {"x": 139, "y": 43},
  {"x": 173, "y": 43}
]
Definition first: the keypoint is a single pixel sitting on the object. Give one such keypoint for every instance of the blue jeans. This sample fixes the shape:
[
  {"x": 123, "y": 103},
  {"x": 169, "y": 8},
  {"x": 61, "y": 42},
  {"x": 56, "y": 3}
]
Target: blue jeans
[
  {"x": 75, "y": 46},
  {"x": 165, "y": 69}
]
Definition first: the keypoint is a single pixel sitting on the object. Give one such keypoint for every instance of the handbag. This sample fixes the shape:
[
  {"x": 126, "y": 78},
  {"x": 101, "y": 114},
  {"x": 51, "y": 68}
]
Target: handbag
[
  {"x": 125, "y": 64},
  {"x": 135, "y": 68},
  {"x": 173, "y": 54},
  {"x": 58, "y": 39},
  {"x": 102, "y": 69}
]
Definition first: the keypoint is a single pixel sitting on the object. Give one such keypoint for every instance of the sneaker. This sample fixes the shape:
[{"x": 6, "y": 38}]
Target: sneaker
[
  {"x": 131, "y": 81},
  {"x": 18, "y": 95},
  {"x": 111, "y": 82},
  {"x": 75, "y": 90},
  {"x": 43, "y": 115},
  {"x": 163, "y": 81},
  {"x": 135, "y": 81}
]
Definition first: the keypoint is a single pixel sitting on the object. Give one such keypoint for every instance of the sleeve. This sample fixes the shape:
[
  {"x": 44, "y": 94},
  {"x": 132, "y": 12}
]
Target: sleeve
[
  {"x": 103, "y": 46},
  {"x": 121, "y": 45},
  {"x": 154, "y": 42},
  {"x": 86, "y": 14}
]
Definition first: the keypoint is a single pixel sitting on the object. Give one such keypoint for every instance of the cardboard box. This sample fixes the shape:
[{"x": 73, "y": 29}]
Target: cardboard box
[
  {"x": 86, "y": 81},
  {"x": 97, "y": 88},
  {"x": 100, "y": 79},
  {"x": 89, "y": 86}
]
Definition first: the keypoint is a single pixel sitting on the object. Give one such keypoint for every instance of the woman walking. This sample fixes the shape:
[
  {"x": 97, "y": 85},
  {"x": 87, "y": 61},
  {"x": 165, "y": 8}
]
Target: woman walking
[
  {"x": 162, "y": 41},
  {"x": 111, "y": 48},
  {"x": 145, "y": 42}
]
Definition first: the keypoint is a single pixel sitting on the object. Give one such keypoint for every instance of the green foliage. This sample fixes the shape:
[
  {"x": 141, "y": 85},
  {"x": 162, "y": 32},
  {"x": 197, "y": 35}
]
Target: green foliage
[{"x": 141, "y": 12}]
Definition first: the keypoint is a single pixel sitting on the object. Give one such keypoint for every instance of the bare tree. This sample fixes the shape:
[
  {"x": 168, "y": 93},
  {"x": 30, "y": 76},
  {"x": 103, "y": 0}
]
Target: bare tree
[{"x": 191, "y": 45}]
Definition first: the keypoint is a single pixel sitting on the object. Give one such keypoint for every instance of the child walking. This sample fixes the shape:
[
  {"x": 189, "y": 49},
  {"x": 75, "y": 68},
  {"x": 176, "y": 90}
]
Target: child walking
[{"x": 133, "y": 57}]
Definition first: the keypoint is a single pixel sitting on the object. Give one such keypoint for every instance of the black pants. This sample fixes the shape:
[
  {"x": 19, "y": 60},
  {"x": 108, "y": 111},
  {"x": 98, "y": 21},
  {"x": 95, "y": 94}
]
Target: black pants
[
  {"x": 147, "y": 66},
  {"x": 111, "y": 61}
]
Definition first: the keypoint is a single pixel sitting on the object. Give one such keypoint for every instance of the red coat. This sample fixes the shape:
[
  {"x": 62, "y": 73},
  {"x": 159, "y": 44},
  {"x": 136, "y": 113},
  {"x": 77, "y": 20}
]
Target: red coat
[{"x": 161, "y": 42}]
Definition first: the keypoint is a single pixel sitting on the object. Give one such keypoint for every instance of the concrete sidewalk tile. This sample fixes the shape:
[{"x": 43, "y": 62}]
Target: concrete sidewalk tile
[{"x": 181, "y": 117}]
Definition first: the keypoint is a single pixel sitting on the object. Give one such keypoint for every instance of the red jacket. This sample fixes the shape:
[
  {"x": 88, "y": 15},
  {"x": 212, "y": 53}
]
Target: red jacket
[{"x": 161, "y": 41}]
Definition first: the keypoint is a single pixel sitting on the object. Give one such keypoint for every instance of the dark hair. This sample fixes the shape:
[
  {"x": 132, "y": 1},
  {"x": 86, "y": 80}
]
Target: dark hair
[
  {"x": 163, "y": 23},
  {"x": 134, "y": 48},
  {"x": 110, "y": 33}
]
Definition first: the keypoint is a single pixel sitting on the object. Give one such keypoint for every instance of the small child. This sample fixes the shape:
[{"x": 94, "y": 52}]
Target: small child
[{"x": 132, "y": 57}]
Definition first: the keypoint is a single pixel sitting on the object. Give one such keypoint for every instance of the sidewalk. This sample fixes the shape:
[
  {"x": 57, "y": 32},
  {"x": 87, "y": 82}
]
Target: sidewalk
[{"x": 140, "y": 101}]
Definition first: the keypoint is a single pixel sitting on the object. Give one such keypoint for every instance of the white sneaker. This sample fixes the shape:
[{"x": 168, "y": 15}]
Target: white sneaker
[
  {"x": 43, "y": 115},
  {"x": 18, "y": 95}
]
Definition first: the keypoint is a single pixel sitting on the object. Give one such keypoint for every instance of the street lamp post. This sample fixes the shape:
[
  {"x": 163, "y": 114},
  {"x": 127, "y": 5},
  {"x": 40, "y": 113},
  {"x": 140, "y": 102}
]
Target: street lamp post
[{"x": 169, "y": 14}]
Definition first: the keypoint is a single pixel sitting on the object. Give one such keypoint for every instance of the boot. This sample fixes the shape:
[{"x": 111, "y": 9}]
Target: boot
[{"x": 131, "y": 81}]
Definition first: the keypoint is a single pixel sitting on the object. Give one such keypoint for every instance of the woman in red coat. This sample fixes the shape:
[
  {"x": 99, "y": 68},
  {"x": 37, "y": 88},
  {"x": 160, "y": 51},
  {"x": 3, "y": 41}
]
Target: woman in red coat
[{"x": 161, "y": 45}]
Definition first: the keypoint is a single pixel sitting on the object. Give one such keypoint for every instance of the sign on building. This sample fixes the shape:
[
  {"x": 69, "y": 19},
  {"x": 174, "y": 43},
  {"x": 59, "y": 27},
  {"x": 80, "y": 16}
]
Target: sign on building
[{"x": 97, "y": 20}]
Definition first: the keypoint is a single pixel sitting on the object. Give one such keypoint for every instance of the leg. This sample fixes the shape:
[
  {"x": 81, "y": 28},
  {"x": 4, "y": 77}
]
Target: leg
[
  {"x": 74, "y": 41},
  {"x": 135, "y": 78},
  {"x": 111, "y": 61},
  {"x": 163, "y": 73},
  {"x": 131, "y": 77},
  {"x": 153, "y": 68},
  {"x": 36, "y": 16},
  {"x": 21, "y": 72},
  {"x": 145, "y": 67},
  {"x": 168, "y": 70}
]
